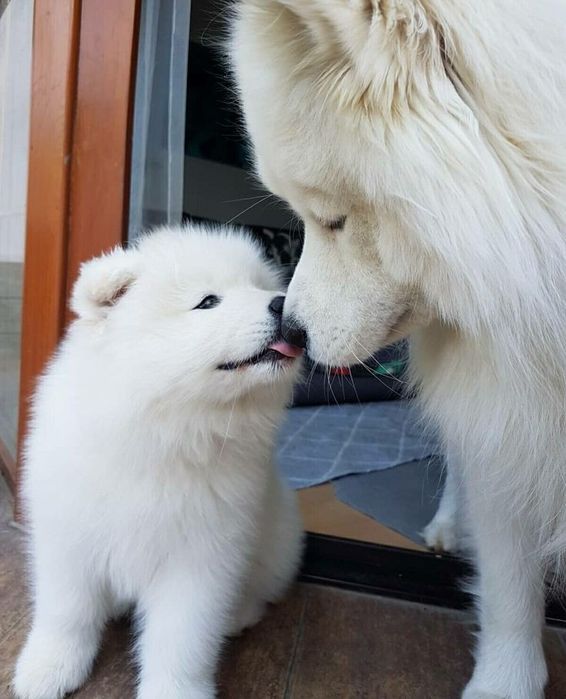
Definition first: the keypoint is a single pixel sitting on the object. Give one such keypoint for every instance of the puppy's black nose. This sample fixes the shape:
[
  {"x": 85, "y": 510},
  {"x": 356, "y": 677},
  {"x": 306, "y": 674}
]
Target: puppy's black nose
[
  {"x": 276, "y": 305},
  {"x": 293, "y": 333}
]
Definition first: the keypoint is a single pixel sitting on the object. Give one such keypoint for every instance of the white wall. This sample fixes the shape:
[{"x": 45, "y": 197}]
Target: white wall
[{"x": 16, "y": 25}]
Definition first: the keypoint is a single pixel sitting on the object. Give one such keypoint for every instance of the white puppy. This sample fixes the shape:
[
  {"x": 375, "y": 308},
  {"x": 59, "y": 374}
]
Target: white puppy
[
  {"x": 148, "y": 475},
  {"x": 423, "y": 143}
]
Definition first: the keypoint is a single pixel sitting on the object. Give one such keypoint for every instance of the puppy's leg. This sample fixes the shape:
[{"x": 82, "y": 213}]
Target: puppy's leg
[
  {"x": 185, "y": 615},
  {"x": 441, "y": 533},
  {"x": 281, "y": 543},
  {"x": 278, "y": 556},
  {"x": 69, "y": 613},
  {"x": 509, "y": 660}
]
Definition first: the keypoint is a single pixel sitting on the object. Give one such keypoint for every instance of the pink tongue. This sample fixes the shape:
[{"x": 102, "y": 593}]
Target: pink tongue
[{"x": 286, "y": 349}]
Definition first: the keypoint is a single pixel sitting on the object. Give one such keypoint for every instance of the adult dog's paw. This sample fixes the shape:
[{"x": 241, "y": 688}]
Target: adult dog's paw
[
  {"x": 474, "y": 691},
  {"x": 440, "y": 534},
  {"x": 509, "y": 670},
  {"x": 471, "y": 693}
]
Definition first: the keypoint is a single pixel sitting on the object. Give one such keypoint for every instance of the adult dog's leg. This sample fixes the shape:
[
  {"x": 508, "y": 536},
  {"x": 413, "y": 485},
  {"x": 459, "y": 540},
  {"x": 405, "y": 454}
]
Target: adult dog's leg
[
  {"x": 441, "y": 533},
  {"x": 509, "y": 660}
]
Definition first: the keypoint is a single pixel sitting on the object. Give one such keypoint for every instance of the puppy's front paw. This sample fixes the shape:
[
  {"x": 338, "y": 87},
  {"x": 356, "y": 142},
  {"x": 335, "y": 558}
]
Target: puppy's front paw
[
  {"x": 161, "y": 687},
  {"x": 50, "y": 667},
  {"x": 440, "y": 534}
]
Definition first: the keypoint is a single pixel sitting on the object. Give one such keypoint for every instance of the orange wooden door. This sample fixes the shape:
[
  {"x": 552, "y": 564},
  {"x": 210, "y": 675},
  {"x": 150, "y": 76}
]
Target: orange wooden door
[{"x": 84, "y": 54}]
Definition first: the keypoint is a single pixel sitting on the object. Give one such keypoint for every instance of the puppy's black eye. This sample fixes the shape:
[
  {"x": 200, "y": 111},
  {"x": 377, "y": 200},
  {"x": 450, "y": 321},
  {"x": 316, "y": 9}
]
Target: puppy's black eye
[
  {"x": 208, "y": 302},
  {"x": 336, "y": 225}
]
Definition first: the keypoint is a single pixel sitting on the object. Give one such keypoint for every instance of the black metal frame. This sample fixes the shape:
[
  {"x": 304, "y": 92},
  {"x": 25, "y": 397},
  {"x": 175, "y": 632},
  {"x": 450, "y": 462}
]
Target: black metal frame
[{"x": 426, "y": 578}]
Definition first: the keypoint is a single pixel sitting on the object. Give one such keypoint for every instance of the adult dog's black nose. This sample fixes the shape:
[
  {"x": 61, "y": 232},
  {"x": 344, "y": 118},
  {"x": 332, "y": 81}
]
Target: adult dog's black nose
[
  {"x": 276, "y": 305},
  {"x": 293, "y": 332}
]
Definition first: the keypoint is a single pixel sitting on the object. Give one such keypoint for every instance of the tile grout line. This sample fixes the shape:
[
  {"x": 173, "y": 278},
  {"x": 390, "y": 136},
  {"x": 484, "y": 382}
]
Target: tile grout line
[
  {"x": 21, "y": 621},
  {"x": 298, "y": 431},
  {"x": 346, "y": 443},
  {"x": 402, "y": 439},
  {"x": 298, "y": 640}
]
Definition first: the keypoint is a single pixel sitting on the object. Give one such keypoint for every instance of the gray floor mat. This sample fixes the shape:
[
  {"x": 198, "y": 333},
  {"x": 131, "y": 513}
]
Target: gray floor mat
[
  {"x": 404, "y": 498},
  {"x": 319, "y": 444}
]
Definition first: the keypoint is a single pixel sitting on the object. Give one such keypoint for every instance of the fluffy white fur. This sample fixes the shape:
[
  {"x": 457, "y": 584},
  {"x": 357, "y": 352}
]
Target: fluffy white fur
[
  {"x": 438, "y": 128},
  {"x": 148, "y": 477}
]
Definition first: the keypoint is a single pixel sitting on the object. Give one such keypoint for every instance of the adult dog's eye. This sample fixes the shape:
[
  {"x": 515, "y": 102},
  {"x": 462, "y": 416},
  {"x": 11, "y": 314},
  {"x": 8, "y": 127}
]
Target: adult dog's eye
[
  {"x": 208, "y": 302},
  {"x": 336, "y": 225}
]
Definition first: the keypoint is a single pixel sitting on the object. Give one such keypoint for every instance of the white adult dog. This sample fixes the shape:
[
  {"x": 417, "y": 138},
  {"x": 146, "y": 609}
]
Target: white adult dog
[
  {"x": 423, "y": 143},
  {"x": 148, "y": 474}
]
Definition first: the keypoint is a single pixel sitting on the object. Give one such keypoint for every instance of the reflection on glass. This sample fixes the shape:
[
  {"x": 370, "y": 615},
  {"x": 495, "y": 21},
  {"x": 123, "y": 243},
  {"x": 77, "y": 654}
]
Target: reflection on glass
[{"x": 16, "y": 20}]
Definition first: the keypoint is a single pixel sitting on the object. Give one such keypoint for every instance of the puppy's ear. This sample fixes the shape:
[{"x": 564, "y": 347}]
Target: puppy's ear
[{"x": 102, "y": 282}]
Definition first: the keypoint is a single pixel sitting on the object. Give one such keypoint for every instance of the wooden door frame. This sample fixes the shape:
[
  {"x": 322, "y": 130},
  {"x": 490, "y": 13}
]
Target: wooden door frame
[{"x": 83, "y": 71}]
